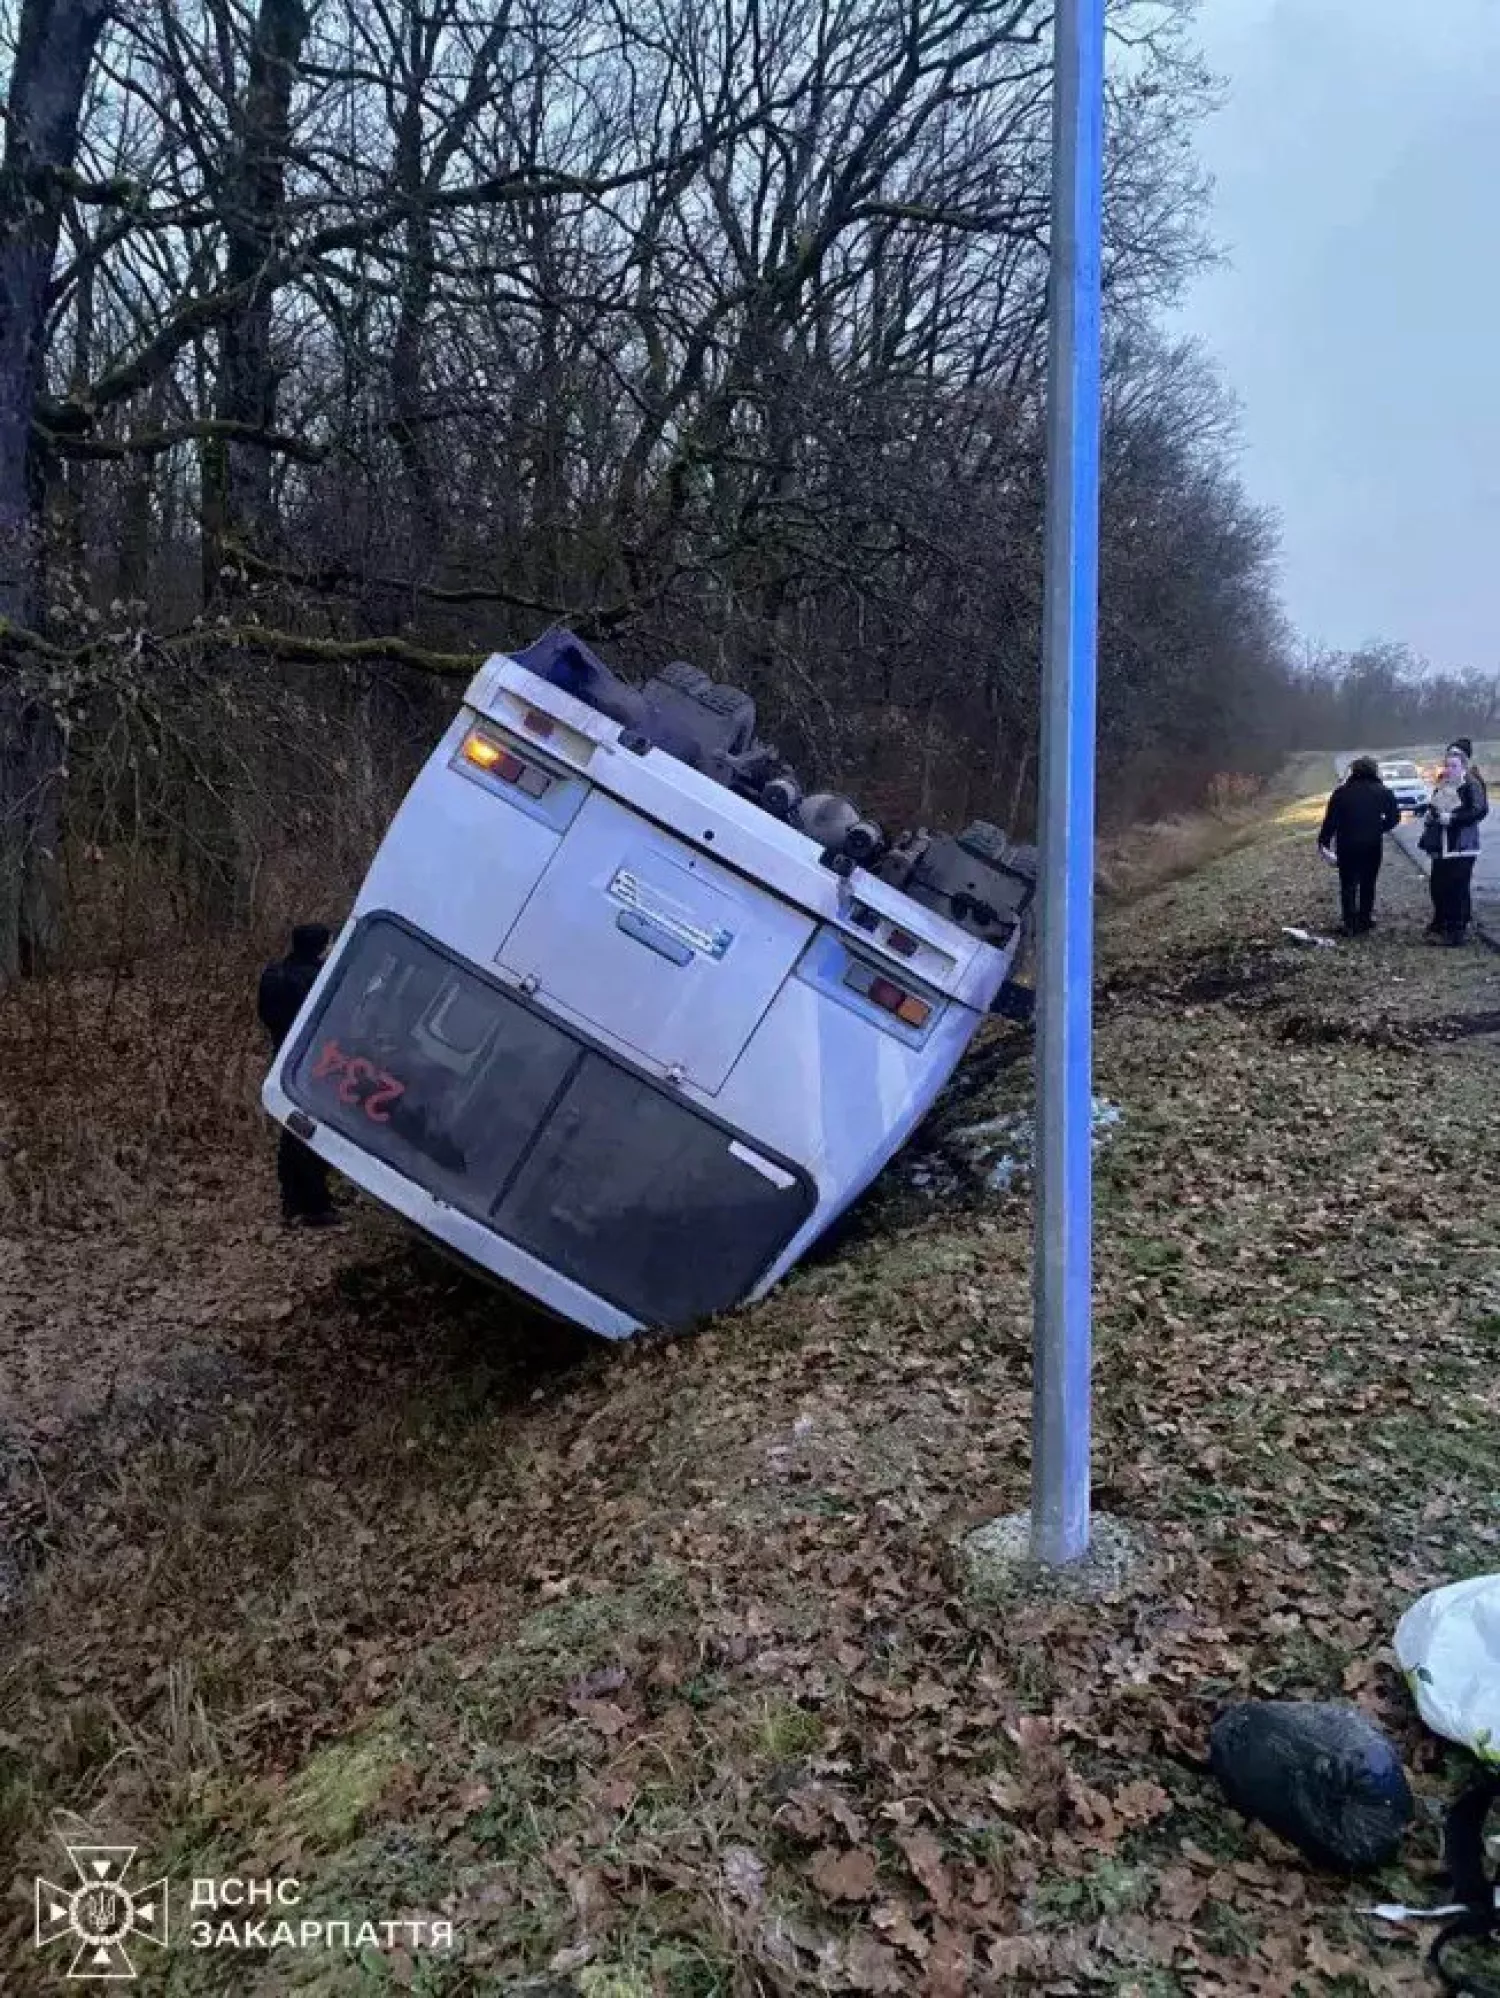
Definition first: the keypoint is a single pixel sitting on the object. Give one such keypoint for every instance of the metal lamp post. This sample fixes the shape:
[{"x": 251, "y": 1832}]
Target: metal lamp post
[{"x": 1064, "y": 1184}]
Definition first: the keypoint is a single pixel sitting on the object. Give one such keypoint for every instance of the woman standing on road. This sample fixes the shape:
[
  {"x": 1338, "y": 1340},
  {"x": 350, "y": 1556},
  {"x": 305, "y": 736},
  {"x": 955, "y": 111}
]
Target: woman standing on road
[
  {"x": 1360, "y": 814},
  {"x": 1451, "y": 838}
]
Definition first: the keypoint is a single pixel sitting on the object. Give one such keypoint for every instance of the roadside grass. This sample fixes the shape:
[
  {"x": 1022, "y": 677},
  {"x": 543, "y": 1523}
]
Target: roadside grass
[{"x": 652, "y": 1670}]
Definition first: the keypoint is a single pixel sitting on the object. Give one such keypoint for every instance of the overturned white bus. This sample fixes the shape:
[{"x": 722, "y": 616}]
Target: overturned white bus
[{"x": 619, "y": 1017}]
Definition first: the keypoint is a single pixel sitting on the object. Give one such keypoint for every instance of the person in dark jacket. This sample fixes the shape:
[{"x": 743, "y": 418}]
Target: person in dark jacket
[
  {"x": 284, "y": 986},
  {"x": 1450, "y": 837},
  {"x": 1360, "y": 814},
  {"x": 1465, "y": 747}
]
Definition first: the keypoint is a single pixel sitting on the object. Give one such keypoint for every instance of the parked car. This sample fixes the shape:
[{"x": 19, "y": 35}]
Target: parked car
[{"x": 1411, "y": 789}]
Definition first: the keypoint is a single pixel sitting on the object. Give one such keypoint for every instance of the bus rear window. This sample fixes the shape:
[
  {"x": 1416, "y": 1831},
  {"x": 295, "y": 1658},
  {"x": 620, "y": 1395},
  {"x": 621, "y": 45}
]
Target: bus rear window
[{"x": 606, "y": 1176}]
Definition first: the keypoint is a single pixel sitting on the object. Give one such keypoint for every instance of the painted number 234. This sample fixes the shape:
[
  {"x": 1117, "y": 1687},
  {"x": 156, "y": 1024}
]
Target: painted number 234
[{"x": 358, "y": 1074}]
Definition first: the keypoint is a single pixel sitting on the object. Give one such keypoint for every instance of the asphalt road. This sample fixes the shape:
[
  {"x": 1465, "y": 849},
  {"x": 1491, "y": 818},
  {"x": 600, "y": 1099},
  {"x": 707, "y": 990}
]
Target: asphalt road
[{"x": 1487, "y": 870}]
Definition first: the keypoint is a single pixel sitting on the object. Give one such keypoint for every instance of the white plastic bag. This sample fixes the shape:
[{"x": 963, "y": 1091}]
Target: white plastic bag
[{"x": 1448, "y": 1645}]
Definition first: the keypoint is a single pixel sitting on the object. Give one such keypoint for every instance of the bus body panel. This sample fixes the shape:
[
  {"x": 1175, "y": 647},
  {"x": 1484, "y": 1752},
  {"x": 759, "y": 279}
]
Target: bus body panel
[{"x": 665, "y": 953}]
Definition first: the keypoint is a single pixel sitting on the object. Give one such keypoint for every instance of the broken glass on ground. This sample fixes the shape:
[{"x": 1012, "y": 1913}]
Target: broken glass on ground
[{"x": 999, "y": 1150}]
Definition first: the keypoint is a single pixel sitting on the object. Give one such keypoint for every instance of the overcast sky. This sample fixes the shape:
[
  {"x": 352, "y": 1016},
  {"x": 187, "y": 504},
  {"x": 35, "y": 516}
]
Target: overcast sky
[{"x": 1357, "y": 163}]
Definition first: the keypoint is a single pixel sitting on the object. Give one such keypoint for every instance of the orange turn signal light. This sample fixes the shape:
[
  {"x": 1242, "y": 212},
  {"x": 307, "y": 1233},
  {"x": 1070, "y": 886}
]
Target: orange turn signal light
[
  {"x": 495, "y": 760},
  {"x": 489, "y": 756}
]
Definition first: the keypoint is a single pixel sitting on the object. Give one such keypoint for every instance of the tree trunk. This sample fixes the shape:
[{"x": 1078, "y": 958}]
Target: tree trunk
[
  {"x": 55, "y": 42},
  {"x": 75, "y": 483},
  {"x": 407, "y": 348},
  {"x": 133, "y": 565},
  {"x": 237, "y": 468}
]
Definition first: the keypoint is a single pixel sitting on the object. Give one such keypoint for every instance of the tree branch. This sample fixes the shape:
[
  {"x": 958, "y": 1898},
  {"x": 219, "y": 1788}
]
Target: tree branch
[
  {"x": 294, "y": 648},
  {"x": 336, "y": 577},
  {"x": 968, "y": 221},
  {"x": 154, "y": 443},
  {"x": 120, "y": 192},
  {"x": 289, "y": 646}
]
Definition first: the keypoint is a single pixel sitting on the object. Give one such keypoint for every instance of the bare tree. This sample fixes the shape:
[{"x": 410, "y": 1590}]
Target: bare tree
[
  {"x": 54, "y": 48},
  {"x": 237, "y": 506},
  {"x": 389, "y": 330}
]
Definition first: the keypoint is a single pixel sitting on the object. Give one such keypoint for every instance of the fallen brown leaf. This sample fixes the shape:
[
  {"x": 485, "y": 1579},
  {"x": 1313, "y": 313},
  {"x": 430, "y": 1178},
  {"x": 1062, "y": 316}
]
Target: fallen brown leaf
[
  {"x": 924, "y": 1856},
  {"x": 843, "y": 1876},
  {"x": 1180, "y": 1893},
  {"x": 870, "y": 1966}
]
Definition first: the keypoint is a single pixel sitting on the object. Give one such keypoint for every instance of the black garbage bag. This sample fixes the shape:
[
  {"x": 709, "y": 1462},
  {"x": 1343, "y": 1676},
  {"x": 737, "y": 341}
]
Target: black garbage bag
[{"x": 1319, "y": 1775}]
